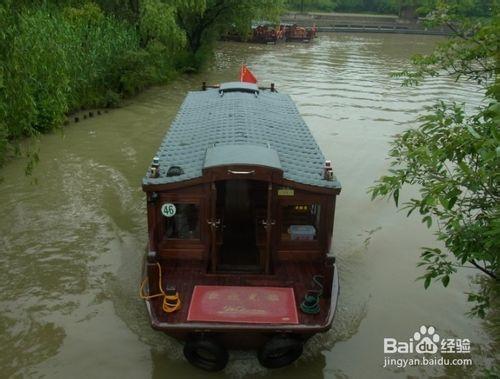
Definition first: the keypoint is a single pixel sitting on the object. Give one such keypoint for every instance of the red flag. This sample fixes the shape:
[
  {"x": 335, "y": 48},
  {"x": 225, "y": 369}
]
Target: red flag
[{"x": 246, "y": 75}]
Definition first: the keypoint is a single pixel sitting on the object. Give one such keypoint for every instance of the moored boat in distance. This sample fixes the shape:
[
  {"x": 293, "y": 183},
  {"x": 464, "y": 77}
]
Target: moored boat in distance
[
  {"x": 270, "y": 33},
  {"x": 240, "y": 207}
]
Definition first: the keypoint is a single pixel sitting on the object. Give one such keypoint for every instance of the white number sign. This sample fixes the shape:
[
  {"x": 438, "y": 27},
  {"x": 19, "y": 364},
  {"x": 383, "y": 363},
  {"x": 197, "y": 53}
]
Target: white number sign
[{"x": 168, "y": 209}]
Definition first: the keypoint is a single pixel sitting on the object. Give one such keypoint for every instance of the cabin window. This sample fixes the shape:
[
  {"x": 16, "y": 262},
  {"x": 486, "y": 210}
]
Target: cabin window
[
  {"x": 300, "y": 222},
  {"x": 184, "y": 224}
]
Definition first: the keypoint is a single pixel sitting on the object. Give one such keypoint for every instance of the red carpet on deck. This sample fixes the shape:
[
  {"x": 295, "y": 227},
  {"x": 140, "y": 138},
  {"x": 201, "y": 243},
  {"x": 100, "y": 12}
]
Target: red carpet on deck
[{"x": 250, "y": 305}]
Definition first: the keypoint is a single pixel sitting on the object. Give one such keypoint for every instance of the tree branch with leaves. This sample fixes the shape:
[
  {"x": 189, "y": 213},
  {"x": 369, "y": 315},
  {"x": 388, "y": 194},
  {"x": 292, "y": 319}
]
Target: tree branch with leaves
[
  {"x": 454, "y": 159},
  {"x": 203, "y": 21}
]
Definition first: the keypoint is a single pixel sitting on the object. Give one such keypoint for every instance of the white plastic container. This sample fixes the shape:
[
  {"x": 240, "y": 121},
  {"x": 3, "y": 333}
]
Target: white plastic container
[{"x": 302, "y": 232}]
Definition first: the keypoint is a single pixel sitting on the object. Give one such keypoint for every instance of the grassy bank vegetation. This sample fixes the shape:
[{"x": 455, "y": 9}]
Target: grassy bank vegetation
[{"x": 58, "y": 60}]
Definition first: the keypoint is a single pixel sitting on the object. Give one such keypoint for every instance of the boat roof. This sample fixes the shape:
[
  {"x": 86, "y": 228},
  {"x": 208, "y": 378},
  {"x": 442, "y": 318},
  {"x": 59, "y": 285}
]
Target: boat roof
[
  {"x": 255, "y": 155},
  {"x": 240, "y": 124}
]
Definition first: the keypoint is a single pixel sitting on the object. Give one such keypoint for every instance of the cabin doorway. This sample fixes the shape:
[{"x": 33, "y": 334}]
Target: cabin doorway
[{"x": 241, "y": 206}]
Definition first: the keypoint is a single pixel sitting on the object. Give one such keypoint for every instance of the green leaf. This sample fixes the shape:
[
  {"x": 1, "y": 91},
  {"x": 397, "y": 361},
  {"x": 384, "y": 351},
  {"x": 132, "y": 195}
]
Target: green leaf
[
  {"x": 445, "y": 280},
  {"x": 452, "y": 202},
  {"x": 444, "y": 202},
  {"x": 428, "y": 220},
  {"x": 410, "y": 211},
  {"x": 465, "y": 168},
  {"x": 473, "y": 132},
  {"x": 395, "y": 195},
  {"x": 427, "y": 282}
]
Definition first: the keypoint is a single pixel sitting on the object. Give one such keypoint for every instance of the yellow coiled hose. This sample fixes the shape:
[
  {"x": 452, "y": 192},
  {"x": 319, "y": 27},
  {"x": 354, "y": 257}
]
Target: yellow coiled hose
[{"x": 171, "y": 303}]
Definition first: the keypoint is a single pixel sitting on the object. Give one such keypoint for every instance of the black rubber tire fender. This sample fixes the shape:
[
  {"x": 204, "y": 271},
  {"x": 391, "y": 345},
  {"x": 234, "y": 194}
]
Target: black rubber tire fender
[
  {"x": 206, "y": 353},
  {"x": 280, "y": 351}
]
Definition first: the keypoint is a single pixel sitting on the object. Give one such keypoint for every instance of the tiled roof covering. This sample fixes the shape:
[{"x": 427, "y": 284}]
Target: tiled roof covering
[{"x": 207, "y": 119}]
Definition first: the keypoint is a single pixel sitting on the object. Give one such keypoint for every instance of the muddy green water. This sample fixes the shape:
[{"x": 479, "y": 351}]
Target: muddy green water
[{"x": 71, "y": 245}]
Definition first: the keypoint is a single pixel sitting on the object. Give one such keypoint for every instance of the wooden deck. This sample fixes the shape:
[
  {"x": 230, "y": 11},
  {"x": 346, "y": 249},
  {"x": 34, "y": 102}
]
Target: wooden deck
[{"x": 184, "y": 275}]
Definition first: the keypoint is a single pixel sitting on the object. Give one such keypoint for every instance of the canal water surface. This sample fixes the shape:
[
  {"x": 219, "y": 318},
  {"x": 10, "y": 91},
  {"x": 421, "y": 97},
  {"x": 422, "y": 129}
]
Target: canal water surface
[{"x": 71, "y": 243}]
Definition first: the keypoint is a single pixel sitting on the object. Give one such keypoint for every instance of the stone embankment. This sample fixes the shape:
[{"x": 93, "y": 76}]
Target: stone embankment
[{"x": 361, "y": 23}]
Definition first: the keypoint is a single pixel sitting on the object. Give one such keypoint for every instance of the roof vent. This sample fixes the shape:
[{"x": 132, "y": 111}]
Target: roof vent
[
  {"x": 239, "y": 87},
  {"x": 175, "y": 171}
]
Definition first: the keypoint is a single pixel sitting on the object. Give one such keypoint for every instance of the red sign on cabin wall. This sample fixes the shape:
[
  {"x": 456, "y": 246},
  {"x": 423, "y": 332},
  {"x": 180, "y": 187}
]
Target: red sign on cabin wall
[{"x": 252, "y": 305}]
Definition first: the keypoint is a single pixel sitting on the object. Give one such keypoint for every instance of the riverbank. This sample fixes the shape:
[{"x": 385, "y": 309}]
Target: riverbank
[
  {"x": 59, "y": 61},
  {"x": 362, "y": 23}
]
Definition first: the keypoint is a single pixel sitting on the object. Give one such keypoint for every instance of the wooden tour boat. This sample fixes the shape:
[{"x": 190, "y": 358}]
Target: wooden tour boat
[
  {"x": 240, "y": 207},
  {"x": 267, "y": 32}
]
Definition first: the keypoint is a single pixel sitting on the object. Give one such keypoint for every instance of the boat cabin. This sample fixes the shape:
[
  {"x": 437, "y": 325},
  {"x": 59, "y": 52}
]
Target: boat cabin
[
  {"x": 239, "y": 194},
  {"x": 245, "y": 181}
]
